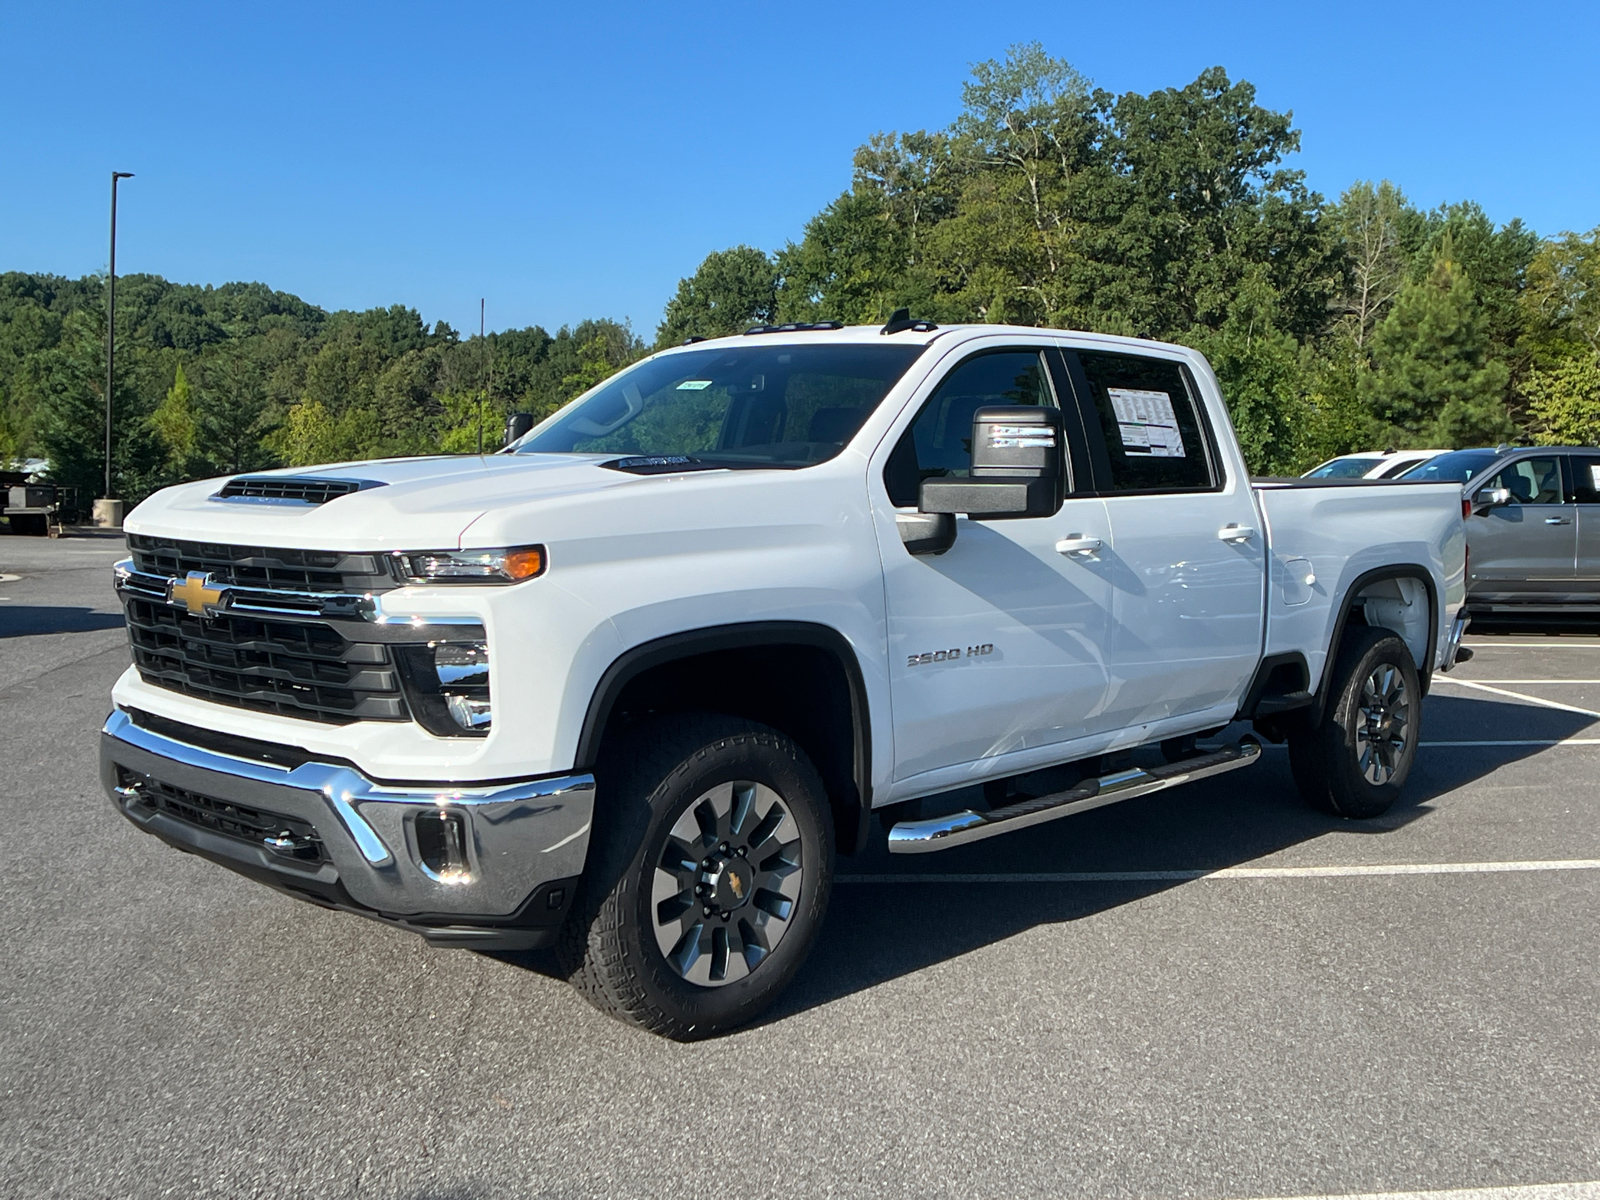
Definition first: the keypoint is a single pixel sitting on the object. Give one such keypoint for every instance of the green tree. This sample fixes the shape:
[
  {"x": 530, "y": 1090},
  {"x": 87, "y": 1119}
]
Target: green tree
[
  {"x": 1562, "y": 299},
  {"x": 1378, "y": 230},
  {"x": 175, "y": 424},
  {"x": 1259, "y": 370},
  {"x": 232, "y": 416},
  {"x": 1564, "y": 403},
  {"x": 65, "y": 387},
  {"x": 730, "y": 291},
  {"x": 1433, "y": 380},
  {"x": 307, "y": 435}
]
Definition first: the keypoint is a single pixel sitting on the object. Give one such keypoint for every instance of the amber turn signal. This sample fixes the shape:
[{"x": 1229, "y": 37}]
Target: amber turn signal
[{"x": 524, "y": 563}]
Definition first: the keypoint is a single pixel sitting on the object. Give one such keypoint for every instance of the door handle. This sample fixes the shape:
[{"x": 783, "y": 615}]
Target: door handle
[
  {"x": 1555, "y": 520},
  {"x": 1236, "y": 534},
  {"x": 1078, "y": 544}
]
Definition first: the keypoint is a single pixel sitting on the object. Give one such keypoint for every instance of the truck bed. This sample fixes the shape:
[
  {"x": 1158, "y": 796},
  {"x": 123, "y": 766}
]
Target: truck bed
[{"x": 1326, "y": 535}]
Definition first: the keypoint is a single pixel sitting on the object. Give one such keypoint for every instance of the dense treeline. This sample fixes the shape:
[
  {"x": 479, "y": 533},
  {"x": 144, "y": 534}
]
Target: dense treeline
[{"x": 1333, "y": 325}]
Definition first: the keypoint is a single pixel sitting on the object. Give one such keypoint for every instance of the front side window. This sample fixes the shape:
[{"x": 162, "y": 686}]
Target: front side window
[
  {"x": 1151, "y": 422},
  {"x": 938, "y": 445},
  {"x": 761, "y": 405},
  {"x": 1531, "y": 481},
  {"x": 1456, "y": 467}
]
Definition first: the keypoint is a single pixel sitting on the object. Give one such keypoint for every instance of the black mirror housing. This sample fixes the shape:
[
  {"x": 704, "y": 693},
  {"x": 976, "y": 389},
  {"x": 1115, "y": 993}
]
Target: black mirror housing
[
  {"x": 926, "y": 533},
  {"x": 517, "y": 424},
  {"x": 1016, "y": 467}
]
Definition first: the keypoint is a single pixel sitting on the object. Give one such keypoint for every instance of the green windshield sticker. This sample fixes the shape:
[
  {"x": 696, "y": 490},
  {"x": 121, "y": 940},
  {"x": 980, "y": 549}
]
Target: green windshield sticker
[{"x": 694, "y": 385}]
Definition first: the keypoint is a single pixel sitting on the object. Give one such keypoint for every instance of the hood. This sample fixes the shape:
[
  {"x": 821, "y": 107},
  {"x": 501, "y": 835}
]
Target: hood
[{"x": 402, "y": 504}]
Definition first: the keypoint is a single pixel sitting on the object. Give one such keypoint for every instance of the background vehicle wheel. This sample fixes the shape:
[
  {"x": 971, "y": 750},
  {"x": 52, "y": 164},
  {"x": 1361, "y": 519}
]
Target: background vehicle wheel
[
  {"x": 709, "y": 872},
  {"x": 1355, "y": 761}
]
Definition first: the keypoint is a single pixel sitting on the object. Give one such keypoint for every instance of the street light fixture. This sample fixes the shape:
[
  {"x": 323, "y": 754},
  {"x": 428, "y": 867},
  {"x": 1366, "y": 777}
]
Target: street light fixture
[{"x": 111, "y": 320}]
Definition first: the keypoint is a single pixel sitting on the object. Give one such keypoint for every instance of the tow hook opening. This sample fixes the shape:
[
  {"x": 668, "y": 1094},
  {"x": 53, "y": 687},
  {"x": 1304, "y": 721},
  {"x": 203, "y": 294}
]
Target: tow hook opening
[{"x": 442, "y": 845}]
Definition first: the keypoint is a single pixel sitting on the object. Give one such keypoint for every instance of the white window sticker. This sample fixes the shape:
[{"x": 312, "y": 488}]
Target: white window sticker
[
  {"x": 694, "y": 385},
  {"x": 1146, "y": 423},
  {"x": 1594, "y": 475}
]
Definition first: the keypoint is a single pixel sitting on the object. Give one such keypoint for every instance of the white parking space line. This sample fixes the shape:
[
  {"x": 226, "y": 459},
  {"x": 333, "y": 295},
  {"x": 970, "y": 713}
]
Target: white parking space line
[
  {"x": 1573, "y": 741},
  {"x": 1332, "y": 872},
  {"x": 1561, "y": 645},
  {"x": 1537, "y": 1191},
  {"x": 1484, "y": 687},
  {"x": 1444, "y": 679}
]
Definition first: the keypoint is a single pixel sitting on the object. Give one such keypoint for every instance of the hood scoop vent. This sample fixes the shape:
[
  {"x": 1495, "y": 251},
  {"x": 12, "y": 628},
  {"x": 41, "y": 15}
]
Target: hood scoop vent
[{"x": 290, "y": 489}]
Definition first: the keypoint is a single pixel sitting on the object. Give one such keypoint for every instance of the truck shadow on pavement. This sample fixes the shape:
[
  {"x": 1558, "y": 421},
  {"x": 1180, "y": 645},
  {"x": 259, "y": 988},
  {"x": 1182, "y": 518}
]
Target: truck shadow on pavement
[
  {"x": 876, "y": 932},
  {"x": 25, "y": 620}
]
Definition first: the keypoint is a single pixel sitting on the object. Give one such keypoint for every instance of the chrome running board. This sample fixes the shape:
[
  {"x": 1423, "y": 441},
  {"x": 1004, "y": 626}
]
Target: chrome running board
[{"x": 957, "y": 829}]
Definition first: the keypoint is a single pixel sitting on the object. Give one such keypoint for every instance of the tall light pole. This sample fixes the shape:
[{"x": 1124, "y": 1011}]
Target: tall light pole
[
  {"x": 484, "y": 346},
  {"x": 111, "y": 321}
]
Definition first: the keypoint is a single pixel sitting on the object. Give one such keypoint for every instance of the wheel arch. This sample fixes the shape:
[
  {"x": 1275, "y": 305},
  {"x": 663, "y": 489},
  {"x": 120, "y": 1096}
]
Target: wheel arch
[
  {"x": 812, "y": 689},
  {"x": 1367, "y": 586}
]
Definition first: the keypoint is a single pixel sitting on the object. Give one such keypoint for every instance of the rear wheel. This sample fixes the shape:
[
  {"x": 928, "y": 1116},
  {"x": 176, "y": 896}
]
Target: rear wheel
[
  {"x": 1354, "y": 762},
  {"x": 709, "y": 875}
]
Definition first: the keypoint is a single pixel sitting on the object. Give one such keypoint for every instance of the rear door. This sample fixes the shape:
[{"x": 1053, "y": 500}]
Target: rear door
[
  {"x": 996, "y": 645},
  {"x": 1525, "y": 551},
  {"x": 1186, "y": 562}
]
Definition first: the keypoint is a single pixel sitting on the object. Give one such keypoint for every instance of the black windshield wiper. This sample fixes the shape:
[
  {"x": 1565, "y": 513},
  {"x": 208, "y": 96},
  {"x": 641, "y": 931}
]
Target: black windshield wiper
[{"x": 672, "y": 464}]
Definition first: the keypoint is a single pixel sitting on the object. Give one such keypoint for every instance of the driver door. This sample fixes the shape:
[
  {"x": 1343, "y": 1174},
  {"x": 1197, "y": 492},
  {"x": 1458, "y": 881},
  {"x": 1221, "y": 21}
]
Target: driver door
[
  {"x": 1525, "y": 551},
  {"x": 996, "y": 644}
]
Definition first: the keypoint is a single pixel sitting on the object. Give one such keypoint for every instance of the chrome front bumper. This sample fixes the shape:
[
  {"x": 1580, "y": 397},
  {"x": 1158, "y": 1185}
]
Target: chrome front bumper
[{"x": 524, "y": 847}]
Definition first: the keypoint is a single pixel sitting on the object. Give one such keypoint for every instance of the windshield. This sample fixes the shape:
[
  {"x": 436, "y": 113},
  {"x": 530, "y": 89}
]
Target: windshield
[
  {"x": 747, "y": 406},
  {"x": 1343, "y": 468},
  {"x": 1456, "y": 467}
]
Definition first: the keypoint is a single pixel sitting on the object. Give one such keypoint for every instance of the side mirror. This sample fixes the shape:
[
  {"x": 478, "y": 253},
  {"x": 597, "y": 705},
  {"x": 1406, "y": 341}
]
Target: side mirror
[
  {"x": 1016, "y": 467},
  {"x": 1488, "y": 498},
  {"x": 517, "y": 424}
]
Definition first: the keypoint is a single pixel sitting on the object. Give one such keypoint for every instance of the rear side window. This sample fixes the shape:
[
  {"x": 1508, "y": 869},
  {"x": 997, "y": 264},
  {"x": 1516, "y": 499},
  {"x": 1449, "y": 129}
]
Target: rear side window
[
  {"x": 1151, "y": 423},
  {"x": 938, "y": 445},
  {"x": 1585, "y": 478}
]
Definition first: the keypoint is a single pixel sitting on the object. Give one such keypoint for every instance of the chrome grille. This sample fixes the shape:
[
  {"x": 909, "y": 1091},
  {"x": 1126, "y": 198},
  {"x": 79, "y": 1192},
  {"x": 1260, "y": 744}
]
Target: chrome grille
[
  {"x": 303, "y": 669},
  {"x": 264, "y": 566}
]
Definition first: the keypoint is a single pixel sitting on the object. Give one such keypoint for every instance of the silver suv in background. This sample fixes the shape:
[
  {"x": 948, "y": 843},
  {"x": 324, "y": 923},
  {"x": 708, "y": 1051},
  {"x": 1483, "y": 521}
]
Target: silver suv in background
[{"x": 1533, "y": 526}]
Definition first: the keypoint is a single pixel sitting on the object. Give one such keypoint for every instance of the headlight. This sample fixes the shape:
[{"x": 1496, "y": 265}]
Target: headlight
[{"x": 510, "y": 565}]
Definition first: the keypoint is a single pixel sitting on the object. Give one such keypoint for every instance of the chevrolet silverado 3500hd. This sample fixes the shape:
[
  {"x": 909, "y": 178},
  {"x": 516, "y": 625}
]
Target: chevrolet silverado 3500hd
[{"x": 627, "y": 687}]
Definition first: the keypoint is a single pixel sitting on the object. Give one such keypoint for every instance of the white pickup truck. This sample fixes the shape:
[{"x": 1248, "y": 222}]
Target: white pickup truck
[{"x": 627, "y": 687}]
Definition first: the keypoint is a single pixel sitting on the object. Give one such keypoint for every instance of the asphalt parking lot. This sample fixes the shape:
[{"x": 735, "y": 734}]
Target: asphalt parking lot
[{"x": 1211, "y": 992}]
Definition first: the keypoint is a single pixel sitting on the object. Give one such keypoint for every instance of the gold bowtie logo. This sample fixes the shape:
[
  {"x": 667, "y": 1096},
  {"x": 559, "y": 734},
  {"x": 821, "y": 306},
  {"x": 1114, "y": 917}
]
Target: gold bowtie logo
[
  {"x": 196, "y": 594},
  {"x": 736, "y": 884}
]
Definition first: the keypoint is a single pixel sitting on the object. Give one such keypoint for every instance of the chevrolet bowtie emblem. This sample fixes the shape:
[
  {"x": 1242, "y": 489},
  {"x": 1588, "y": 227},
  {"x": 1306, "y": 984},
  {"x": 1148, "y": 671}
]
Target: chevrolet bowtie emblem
[{"x": 196, "y": 594}]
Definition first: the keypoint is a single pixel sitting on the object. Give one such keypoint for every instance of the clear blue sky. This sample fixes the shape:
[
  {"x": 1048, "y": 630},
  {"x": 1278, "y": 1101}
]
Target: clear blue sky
[{"x": 575, "y": 160}]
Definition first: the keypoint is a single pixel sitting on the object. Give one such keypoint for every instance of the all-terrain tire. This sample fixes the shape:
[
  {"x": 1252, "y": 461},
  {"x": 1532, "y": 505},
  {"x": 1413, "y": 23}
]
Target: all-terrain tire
[
  {"x": 1354, "y": 762},
  {"x": 657, "y": 779}
]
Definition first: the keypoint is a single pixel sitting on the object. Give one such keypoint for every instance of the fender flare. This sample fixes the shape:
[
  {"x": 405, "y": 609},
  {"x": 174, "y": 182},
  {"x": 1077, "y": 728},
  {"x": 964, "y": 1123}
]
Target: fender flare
[{"x": 663, "y": 650}]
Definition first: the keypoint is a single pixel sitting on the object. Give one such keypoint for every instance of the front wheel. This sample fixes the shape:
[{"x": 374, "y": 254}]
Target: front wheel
[
  {"x": 1354, "y": 762},
  {"x": 709, "y": 874}
]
